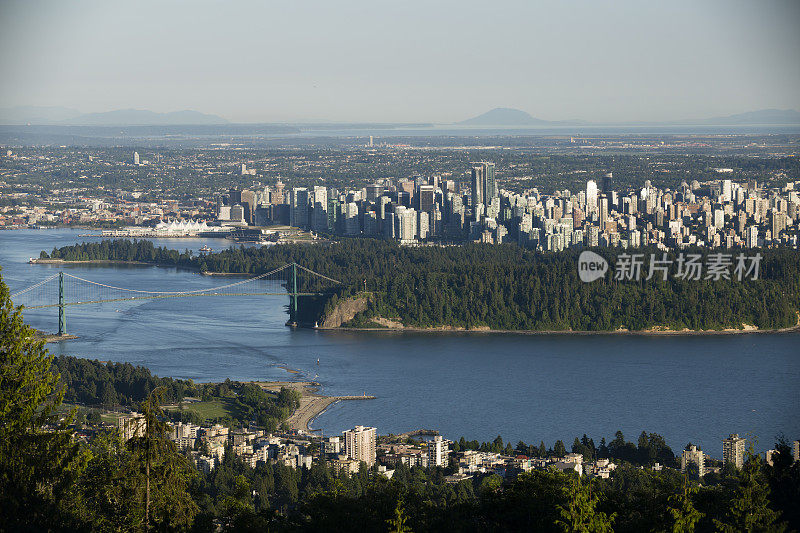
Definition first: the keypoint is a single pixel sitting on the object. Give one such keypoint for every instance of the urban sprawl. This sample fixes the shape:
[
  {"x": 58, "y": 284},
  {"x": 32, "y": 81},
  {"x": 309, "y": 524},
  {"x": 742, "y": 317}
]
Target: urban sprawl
[{"x": 468, "y": 205}]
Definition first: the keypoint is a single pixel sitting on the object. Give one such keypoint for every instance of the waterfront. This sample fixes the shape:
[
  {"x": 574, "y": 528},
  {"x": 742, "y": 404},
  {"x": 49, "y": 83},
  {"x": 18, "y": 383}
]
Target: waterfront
[{"x": 532, "y": 388}]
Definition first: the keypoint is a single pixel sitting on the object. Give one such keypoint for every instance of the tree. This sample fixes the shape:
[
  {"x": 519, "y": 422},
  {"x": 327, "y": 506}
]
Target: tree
[
  {"x": 682, "y": 510},
  {"x": 398, "y": 524},
  {"x": 559, "y": 450},
  {"x": 749, "y": 510},
  {"x": 580, "y": 514},
  {"x": 162, "y": 469},
  {"x": 38, "y": 460}
]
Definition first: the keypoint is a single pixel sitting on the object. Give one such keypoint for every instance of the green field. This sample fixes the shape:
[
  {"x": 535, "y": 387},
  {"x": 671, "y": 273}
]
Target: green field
[{"x": 212, "y": 409}]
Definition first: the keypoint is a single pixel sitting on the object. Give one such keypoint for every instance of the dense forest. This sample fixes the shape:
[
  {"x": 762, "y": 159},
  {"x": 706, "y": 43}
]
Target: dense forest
[
  {"x": 111, "y": 385},
  {"x": 501, "y": 287}
]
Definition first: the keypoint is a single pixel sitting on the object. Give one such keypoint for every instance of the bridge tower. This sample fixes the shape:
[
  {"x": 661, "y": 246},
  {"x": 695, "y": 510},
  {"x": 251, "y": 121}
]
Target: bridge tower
[
  {"x": 293, "y": 294},
  {"x": 62, "y": 317}
]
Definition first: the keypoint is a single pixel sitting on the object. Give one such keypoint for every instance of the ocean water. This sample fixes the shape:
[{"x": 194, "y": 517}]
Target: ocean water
[{"x": 524, "y": 387}]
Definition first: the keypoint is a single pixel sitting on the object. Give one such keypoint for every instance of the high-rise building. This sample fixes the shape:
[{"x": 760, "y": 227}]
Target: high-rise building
[
  {"x": 603, "y": 211},
  {"x": 136, "y": 158},
  {"x": 694, "y": 456},
  {"x": 320, "y": 213},
  {"x": 484, "y": 184},
  {"x": 733, "y": 450},
  {"x": 796, "y": 450},
  {"x": 591, "y": 197},
  {"x": 359, "y": 444},
  {"x": 727, "y": 190},
  {"x": 477, "y": 185},
  {"x": 608, "y": 183},
  {"x": 298, "y": 208},
  {"x": 427, "y": 197},
  {"x": 752, "y": 237},
  {"x": 437, "y": 452}
]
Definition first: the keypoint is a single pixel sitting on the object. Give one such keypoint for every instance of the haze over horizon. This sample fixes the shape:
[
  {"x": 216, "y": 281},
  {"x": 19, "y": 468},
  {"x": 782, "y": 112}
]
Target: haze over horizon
[{"x": 415, "y": 62}]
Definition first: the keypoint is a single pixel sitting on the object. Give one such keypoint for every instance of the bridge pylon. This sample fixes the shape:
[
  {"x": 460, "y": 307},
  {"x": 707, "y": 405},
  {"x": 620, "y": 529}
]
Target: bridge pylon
[
  {"x": 62, "y": 316},
  {"x": 293, "y": 295}
]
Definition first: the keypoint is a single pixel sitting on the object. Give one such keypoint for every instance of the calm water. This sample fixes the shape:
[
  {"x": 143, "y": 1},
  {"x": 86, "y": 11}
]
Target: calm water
[{"x": 532, "y": 388}]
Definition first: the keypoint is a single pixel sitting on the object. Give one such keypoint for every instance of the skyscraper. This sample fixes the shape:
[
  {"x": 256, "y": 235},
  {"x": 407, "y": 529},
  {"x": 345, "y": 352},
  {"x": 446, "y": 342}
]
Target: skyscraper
[
  {"x": 733, "y": 450},
  {"x": 427, "y": 195},
  {"x": 608, "y": 182},
  {"x": 591, "y": 197},
  {"x": 477, "y": 185},
  {"x": 298, "y": 210},
  {"x": 136, "y": 158},
  {"x": 483, "y": 182},
  {"x": 320, "y": 213},
  {"x": 359, "y": 444},
  {"x": 603, "y": 210}
]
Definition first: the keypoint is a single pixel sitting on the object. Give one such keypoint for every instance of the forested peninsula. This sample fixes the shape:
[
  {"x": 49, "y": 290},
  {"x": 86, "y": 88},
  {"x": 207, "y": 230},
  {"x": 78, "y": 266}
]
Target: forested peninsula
[{"x": 491, "y": 287}]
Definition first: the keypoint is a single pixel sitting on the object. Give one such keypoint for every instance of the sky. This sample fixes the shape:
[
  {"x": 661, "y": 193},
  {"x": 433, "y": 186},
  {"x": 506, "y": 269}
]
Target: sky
[{"x": 403, "y": 61}]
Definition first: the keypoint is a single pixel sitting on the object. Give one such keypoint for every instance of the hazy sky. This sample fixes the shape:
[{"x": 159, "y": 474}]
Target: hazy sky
[{"x": 403, "y": 60}]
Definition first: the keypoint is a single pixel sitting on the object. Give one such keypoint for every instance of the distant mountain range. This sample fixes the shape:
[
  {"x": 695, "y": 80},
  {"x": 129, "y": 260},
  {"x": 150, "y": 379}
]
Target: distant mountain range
[
  {"x": 505, "y": 116},
  {"x": 121, "y": 117},
  {"x": 501, "y": 116}
]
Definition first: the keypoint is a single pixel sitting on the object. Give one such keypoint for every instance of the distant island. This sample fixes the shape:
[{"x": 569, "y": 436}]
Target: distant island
[
  {"x": 120, "y": 117},
  {"x": 506, "y": 116}
]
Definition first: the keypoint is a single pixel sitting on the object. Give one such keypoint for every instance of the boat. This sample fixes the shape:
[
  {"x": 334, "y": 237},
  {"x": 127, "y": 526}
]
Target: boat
[{"x": 206, "y": 248}]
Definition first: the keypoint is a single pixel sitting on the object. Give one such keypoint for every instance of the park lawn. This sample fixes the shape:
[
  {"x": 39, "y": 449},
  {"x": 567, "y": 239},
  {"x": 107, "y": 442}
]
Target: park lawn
[{"x": 212, "y": 409}]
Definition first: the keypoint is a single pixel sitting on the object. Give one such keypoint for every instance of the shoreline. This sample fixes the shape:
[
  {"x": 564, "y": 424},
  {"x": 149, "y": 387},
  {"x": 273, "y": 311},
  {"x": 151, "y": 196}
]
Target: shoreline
[
  {"x": 454, "y": 329},
  {"x": 312, "y": 403},
  {"x": 647, "y": 333}
]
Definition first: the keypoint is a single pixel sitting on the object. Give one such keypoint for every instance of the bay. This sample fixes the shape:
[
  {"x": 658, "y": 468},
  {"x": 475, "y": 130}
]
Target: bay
[{"x": 524, "y": 387}]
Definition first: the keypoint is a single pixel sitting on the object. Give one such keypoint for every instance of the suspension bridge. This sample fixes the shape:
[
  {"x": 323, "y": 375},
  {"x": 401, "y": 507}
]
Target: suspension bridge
[{"x": 63, "y": 290}]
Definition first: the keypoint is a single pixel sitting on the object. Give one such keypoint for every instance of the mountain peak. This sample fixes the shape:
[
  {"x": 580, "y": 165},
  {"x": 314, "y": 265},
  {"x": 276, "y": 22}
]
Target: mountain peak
[{"x": 503, "y": 116}]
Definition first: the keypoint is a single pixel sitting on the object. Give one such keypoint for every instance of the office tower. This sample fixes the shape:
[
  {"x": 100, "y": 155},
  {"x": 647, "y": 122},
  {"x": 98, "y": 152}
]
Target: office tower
[
  {"x": 796, "y": 450},
  {"x": 320, "y": 213},
  {"x": 359, "y": 444},
  {"x": 350, "y": 215},
  {"x": 136, "y": 158},
  {"x": 277, "y": 198},
  {"x": 248, "y": 200},
  {"x": 374, "y": 192},
  {"x": 244, "y": 169},
  {"x": 603, "y": 209},
  {"x": 370, "y": 141},
  {"x": 298, "y": 208},
  {"x": 694, "y": 456},
  {"x": 427, "y": 197},
  {"x": 608, "y": 182},
  {"x": 237, "y": 213},
  {"x": 477, "y": 186},
  {"x": 733, "y": 450},
  {"x": 234, "y": 196},
  {"x": 591, "y": 197},
  {"x": 437, "y": 452},
  {"x": 484, "y": 185},
  {"x": 727, "y": 190}
]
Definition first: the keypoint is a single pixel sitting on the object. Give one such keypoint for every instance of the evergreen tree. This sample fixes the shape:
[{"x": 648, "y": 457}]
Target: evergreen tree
[
  {"x": 38, "y": 461},
  {"x": 682, "y": 510},
  {"x": 749, "y": 510},
  {"x": 580, "y": 515}
]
